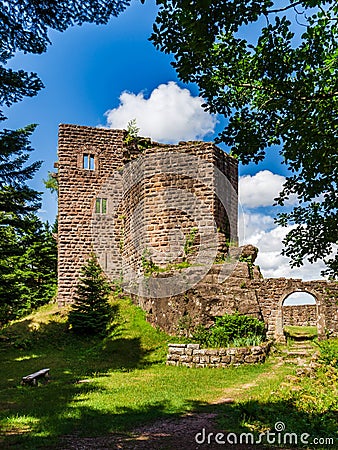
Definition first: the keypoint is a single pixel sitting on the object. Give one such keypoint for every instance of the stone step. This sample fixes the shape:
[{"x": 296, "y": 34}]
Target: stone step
[
  {"x": 300, "y": 361},
  {"x": 308, "y": 349},
  {"x": 301, "y": 345},
  {"x": 297, "y": 353}
]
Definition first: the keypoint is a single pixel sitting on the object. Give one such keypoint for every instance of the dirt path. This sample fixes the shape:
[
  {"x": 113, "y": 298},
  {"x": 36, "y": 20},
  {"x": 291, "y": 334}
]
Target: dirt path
[{"x": 184, "y": 433}]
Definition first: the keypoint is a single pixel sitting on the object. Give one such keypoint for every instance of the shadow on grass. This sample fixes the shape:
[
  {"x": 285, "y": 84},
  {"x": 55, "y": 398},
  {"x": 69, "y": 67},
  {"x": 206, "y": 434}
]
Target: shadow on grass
[
  {"x": 59, "y": 415},
  {"x": 156, "y": 426},
  {"x": 26, "y": 347},
  {"x": 49, "y": 408}
]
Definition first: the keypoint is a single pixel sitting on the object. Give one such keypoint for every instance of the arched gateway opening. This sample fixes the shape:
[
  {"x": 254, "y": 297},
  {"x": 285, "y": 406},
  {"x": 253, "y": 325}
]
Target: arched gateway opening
[
  {"x": 300, "y": 316},
  {"x": 300, "y": 308}
]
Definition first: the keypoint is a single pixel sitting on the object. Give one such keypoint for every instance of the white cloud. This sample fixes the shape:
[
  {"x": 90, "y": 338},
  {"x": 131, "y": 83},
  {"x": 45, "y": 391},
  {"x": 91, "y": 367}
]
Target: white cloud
[
  {"x": 261, "y": 189},
  {"x": 170, "y": 114},
  {"x": 260, "y": 230},
  {"x": 300, "y": 298},
  {"x": 252, "y": 227}
]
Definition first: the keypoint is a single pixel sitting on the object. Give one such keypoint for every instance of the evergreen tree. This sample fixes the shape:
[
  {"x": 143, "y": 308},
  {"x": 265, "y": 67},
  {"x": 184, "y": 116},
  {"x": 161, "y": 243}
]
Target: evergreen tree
[
  {"x": 91, "y": 312},
  {"x": 16, "y": 198},
  {"x": 28, "y": 265},
  {"x": 24, "y": 26},
  {"x": 27, "y": 247}
]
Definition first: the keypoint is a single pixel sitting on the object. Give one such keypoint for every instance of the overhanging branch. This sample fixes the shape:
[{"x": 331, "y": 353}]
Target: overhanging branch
[{"x": 292, "y": 5}]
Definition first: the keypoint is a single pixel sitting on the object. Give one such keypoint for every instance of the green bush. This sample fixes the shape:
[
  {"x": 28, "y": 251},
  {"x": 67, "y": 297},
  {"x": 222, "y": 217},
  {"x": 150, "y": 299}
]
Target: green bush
[
  {"x": 91, "y": 313},
  {"x": 231, "y": 329},
  {"x": 329, "y": 352}
]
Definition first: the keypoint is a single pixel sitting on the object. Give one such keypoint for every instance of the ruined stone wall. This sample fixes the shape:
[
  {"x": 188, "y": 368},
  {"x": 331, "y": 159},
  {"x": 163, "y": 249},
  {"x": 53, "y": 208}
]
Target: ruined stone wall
[
  {"x": 169, "y": 193},
  {"x": 272, "y": 293},
  {"x": 242, "y": 289},
  {"x": 226, "y": 194},
  {"x": 191, "y": 355},
  {"x": 219, "y": 292},
  {"x": 300, "y": 315},
  {"x": 160, "y": 205}
]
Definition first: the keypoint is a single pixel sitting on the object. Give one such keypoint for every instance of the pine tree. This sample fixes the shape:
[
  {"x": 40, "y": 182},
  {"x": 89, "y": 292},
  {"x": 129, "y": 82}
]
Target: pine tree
[
  {"x": 16, "y": 198},
  {"x": 27, "y": 267},
  {"x": 27, "y": 248},
  {"x": 91, "y": 312}
]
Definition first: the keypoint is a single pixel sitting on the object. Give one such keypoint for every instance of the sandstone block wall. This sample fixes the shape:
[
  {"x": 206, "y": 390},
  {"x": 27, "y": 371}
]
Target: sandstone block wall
[
  {"x": 79, "y": 187},
  {"x": 245, "y": 291},
  {"x": 272, "y": 292},
  {"x": 191, "y": 355},
  {"x": 226, "y": 217},
  {"x": 215, "y": 294},
  {"x": 125, "y": 204},
  {"x": 174, "y": 193},
  {"x": 300, "y": 315}
]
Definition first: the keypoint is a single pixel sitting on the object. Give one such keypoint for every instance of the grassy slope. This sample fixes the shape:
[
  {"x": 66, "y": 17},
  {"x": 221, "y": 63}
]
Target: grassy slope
[{"x": 99, "y": 387}]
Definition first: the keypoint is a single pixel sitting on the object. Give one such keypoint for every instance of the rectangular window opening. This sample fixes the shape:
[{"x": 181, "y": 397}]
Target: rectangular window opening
[
  {"x": 91, "y": 162},
  {"x": 101, "y": 206},
  {"x": 88, "y": 161},
  {"x": 98, "y": 206},
  {"x": 104, "y": 206},
  {"x": 85, "y": 161}
]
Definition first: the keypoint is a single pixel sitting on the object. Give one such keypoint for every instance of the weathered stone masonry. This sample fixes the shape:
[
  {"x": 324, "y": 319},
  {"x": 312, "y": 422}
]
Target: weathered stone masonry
[
  {"x": 119, "y": 202},
  {"x": 301, "y": 315},
  {"x": 78, "y": 188},
  {"x": 245, "y": 291},
  {"x": 191, "y": 355}
]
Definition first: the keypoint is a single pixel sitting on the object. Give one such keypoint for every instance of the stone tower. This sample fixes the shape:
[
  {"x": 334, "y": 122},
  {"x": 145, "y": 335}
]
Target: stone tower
[{"x": 131, "y": 202}]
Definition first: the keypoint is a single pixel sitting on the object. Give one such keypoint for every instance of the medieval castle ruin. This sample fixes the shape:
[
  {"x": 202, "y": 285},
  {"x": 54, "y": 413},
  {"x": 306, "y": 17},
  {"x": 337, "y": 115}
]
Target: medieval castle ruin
[{"x": 162, "y": 219}]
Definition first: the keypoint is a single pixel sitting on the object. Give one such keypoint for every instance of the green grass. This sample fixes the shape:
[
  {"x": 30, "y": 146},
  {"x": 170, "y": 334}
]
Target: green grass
[
  {"x": 97, "y": 386},
  {"x": 305, "y": 404},
  {"x": 301, "y": 332},
  {"x": 112, "y": 385},
  {"x": 306, "y": 401}
]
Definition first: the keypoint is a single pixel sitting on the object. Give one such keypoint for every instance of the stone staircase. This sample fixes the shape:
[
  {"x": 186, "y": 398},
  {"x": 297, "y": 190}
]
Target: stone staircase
[{"x": 301, "y": 352}]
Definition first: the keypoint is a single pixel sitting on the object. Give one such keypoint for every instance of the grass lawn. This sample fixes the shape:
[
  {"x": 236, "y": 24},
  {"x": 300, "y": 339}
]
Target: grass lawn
[
  {"x": 102, "y": 386},
  {"x": 301, "y": 332}
]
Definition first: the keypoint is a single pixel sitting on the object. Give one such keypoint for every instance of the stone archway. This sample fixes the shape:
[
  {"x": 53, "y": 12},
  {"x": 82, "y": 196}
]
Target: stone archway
[
  {"x": 299, "y": 312},
  {"x": 299, "y": 287}
]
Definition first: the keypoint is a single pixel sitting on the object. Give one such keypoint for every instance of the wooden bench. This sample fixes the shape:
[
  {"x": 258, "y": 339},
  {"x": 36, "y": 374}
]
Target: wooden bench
[{"x": 32, "y": 379}]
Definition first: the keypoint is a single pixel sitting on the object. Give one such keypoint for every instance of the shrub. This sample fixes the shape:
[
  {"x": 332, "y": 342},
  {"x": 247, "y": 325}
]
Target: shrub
[
  {"x": 231, "y": 329},
  {"x": 91, "y": 313},
  {"x": 329, "y": 352}
]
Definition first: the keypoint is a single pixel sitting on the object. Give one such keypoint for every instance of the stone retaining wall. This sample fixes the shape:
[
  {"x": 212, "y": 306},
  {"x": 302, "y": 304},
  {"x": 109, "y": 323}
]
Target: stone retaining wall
[{"x": 191, "y": 355}]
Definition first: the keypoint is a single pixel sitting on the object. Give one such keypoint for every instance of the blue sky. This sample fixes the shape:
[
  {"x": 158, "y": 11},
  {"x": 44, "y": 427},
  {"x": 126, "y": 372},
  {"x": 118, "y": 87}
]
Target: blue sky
[{"x": 86, "y": 70}]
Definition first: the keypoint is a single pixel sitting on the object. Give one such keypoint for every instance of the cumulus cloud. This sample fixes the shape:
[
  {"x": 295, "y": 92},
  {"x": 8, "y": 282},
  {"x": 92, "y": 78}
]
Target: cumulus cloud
[
  {"x": 170, "y": 114},
  {"x": 252, "y": 227},
  {"x": 261, "y": 189},
  {"x": 260, "y": 230}
]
